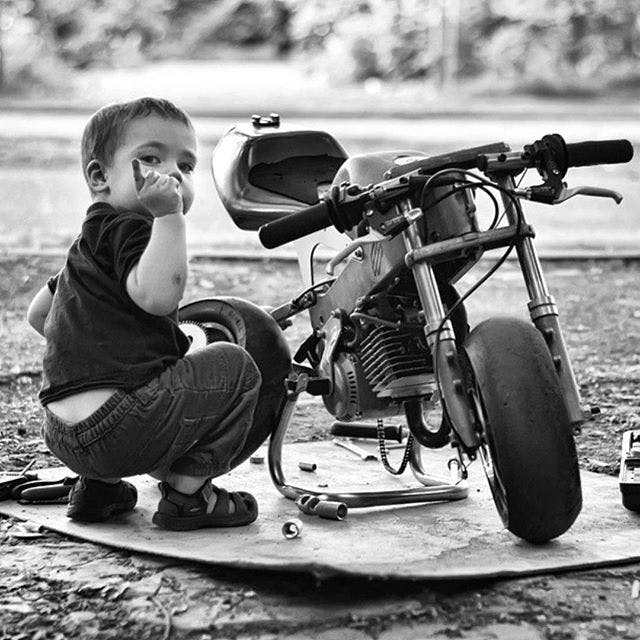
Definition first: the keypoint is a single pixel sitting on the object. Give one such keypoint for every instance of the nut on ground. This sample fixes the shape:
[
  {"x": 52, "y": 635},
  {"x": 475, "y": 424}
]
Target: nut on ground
[{"x": 292, "y": 529}]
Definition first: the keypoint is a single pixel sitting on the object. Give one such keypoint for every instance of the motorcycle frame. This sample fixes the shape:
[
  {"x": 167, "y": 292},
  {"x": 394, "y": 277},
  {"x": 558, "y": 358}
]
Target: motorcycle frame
[{"x": 438, "y": 330}]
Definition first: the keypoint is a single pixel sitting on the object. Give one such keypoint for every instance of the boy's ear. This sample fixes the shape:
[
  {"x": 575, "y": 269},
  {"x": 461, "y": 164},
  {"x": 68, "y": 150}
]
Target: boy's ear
[{"x": 96, "y": 177}]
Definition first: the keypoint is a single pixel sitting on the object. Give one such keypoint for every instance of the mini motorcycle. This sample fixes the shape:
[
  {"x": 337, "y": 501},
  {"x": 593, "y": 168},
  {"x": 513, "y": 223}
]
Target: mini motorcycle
[{"x": 389, "y": 332}]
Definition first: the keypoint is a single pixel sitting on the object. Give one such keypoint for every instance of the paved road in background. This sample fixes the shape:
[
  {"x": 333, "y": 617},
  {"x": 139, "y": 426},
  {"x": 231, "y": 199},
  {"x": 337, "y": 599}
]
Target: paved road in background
[
  {"x": 451, "y": 131},
  {"x": 38, "y": 202}
]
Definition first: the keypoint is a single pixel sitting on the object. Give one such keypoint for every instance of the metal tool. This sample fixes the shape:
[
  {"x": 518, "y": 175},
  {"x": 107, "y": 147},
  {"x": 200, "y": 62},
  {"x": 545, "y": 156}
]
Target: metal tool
[
  {"x": 354, "y": 448},
  {"x": 11, "y": 479},
  {"x": 630, "y": 470},
  {"x": 44, "y": 491},
  {"x": 367, "y": 430},
  {"x": 27, "y": 467}
]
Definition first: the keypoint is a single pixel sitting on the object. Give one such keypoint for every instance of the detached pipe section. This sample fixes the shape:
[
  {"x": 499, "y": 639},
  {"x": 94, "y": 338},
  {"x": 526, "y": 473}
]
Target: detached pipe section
[{"x": 331, "y": 510}]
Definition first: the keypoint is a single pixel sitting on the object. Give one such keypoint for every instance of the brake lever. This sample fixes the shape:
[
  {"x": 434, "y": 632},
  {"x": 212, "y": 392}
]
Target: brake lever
[
  {"x": 545, "y": 193},
  {"x": 597, "y": 192}
]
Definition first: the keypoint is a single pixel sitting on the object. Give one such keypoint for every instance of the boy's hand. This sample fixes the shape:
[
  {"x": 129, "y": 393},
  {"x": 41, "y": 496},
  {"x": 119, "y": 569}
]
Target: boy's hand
[{"x": 157, "y": 192}]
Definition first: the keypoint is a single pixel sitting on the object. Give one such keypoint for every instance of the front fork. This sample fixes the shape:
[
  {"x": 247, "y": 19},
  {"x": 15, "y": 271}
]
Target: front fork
[
  {"x": 543, "y": 309},
  {"x": 442, "y": 343}
]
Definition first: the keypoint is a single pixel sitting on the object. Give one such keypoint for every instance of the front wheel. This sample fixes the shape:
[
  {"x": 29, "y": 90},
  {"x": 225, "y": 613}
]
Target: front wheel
[{"x": 530, "y": 454}]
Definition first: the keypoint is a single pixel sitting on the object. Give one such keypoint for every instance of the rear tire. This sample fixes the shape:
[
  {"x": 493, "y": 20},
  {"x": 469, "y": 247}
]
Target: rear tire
[
  {"x": 533, "y": 468},
  {"x": 244, "y": 323}
]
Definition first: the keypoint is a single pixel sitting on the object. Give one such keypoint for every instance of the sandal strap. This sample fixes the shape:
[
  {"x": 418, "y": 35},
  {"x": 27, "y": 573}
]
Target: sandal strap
[
  {"x": 207, "y": 492},
  {"x": 240, "y": 502},
  {"x": 221, "y": 508}
]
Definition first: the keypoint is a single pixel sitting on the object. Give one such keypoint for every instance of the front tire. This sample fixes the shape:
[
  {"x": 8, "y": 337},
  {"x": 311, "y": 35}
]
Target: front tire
[{"x": 532, "y": 463}]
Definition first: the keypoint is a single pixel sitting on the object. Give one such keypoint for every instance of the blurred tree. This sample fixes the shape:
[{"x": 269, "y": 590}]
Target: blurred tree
[
  {"x": 547, "y": 45},
  {"x": 237, "y": 23},
  {"x": 395, "y": 39},
  {"x": 39, "y": 38},
  {"x": 551, "y": 44},
  {"x": 107, "y": 32},
  {"x": 561, "y": 45},
  {"x": 27, "y": 52}
]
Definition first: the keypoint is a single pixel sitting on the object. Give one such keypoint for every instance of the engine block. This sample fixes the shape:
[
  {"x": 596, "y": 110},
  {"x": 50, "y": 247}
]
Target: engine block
[{"x": 396, "y": 362}]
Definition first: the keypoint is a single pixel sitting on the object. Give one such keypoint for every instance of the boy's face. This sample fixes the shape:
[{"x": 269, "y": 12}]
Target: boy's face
[{"x": 168, "y": 146}]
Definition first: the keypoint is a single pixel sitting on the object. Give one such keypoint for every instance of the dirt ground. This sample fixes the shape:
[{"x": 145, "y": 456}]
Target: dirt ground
[{"x": 54, "y": 587}]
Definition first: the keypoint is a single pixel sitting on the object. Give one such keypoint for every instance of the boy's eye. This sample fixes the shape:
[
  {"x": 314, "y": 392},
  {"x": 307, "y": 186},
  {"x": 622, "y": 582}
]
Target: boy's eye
[
  {"x": 187, "y": 167},
  {"x": 147, "y": 159}
]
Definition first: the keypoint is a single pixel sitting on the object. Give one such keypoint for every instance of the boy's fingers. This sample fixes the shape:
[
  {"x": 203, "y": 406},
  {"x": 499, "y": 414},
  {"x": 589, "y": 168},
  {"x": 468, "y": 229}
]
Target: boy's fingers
[
  {"x": 167, "y": 182},
  {"x": 152, "y": 177},
  {"x": 138, "y": 178}
]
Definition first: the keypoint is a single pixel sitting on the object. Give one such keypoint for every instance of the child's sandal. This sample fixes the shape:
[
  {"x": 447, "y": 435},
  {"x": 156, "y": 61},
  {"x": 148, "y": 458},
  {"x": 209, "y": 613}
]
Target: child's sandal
[{"x": 180, "y": 512}]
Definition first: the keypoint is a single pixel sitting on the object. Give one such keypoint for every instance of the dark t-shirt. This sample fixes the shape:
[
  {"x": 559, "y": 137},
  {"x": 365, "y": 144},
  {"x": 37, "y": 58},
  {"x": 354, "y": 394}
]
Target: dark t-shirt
[{"x": 96, "y": 335}]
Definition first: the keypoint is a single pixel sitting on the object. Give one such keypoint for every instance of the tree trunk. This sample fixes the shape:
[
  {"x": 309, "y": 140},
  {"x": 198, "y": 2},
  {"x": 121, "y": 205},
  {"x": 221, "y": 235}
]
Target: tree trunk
[
  {"x": 450, "y": 43},
  {"x": 2, "y": 78}
]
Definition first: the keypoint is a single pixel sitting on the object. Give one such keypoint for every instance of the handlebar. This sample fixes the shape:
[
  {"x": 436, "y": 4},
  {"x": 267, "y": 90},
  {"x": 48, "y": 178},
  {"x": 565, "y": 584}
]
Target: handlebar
[
  {"x": 295, "y": 225},
  {"x": 584, "y": 154},
  {"x": 551, "y": 155}
]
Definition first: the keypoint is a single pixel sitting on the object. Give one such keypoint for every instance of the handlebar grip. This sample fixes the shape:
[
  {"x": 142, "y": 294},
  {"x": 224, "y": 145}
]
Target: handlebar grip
[
  {"x": 295, "y": 225},
  {"x": 583, "y": 154}
]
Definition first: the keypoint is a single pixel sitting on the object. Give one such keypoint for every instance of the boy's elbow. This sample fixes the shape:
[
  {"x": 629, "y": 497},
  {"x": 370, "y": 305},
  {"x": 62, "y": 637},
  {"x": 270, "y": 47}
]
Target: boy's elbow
[
  {"x": 159, "y": 305},
  {"x": 156, "y": 298},
  {"x": 39, "y": 309},
  {"x": 36, "y": 320}
]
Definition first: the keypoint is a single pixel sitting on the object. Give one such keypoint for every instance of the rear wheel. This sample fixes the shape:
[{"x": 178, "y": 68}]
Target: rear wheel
[
  {"x": 528, "y": 447},
  {"x": 244, "y": 323}
]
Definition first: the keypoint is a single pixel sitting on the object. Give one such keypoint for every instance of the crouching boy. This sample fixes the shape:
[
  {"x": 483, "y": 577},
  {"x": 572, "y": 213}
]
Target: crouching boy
[{"x": 120, "y": 396}]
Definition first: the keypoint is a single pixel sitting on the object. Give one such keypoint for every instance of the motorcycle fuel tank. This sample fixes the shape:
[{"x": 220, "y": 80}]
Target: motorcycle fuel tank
[{"x": 265, "y": 170}]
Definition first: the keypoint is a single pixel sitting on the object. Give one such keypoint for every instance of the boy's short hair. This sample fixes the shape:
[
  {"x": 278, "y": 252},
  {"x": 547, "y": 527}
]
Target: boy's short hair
[{"x": 105, "y": 130}]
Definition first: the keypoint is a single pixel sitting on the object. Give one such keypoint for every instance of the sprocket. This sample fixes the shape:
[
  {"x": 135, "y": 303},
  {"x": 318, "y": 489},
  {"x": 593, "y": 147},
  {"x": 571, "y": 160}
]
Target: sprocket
[{"x": 196, "y": 333}]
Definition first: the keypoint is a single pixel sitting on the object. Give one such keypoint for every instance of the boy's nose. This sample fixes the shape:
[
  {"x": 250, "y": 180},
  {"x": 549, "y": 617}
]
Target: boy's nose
[{"x": 177, "y": 174}]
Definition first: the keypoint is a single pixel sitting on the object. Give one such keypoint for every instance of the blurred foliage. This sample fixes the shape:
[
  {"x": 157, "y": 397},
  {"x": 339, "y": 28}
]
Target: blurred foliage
[
  {"x": 43, "y": 38},
  {"x": 552, "y": 46},
  {"x": 562, "y": 45},
  {"x": 206, "y": 26},
  {"x": 40, "y": 38},
  {"x": 117, "y": 32},
  {"x": 359, "y": 39},
  {"x": 27, "y": 54},
  {"x": 548, "y": 45}
]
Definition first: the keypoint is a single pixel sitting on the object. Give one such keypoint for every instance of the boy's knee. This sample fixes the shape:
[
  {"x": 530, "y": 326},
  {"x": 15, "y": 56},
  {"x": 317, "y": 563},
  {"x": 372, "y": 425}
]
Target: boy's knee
[{"x": 240, "y": 364}]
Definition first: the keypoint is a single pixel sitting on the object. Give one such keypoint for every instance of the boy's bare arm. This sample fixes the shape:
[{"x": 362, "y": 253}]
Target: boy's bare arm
[
  {"x": 157, "y": 281},
  {"x": 39, "y": 309}
]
